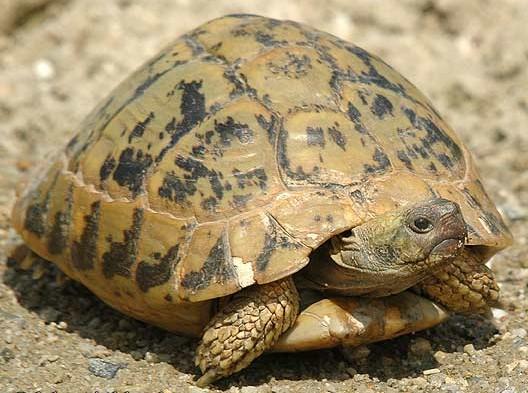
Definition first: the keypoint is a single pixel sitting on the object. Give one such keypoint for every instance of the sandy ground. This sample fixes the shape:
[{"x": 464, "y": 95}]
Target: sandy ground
[{"x": 59, "y": 58}]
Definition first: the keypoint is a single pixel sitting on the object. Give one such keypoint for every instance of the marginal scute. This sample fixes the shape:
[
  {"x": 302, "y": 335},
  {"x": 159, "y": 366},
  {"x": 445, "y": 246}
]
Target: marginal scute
[
  {"x": 60, "y": 212},
  {"x": 37, "y": 202},
  {"x": 121, "y": 251},
  {"x": 85, "y": 234},
  {"x": 260, "y": 241},
  {"x": 161, "y": 247},
  {"x": 207, "y": 270}
]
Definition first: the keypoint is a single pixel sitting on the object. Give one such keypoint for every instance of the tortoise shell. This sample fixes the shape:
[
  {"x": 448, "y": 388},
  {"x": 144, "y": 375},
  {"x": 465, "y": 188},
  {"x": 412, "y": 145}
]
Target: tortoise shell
[{"x": 229, "y": 157}]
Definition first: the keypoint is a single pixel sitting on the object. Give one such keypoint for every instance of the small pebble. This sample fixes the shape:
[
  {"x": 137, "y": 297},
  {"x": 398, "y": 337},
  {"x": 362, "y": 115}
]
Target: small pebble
[
  {"x": 49, "y": 314},
  {"x": 151, "y": 357},
  {"x": 124, "y": 324},
  {"x": 101, "y": 351},
  {"x": 52, "y": 338},
  {"x": 520, "y": 332},
  {"x": 420, "y": 347},
  {"x": 504, "y": 381},
  {"x": 94, "y": 323},
  {"x": 62, "y": 325},
  {"x": 8, "y": 336},
  {"x": 249, "y": 389},
  {"x": 469, "y": 349},
  {"x": 499, "y": 314},
  {"x": 196, "y": 389},
  {"x": 44, "y": 69},
  {"x": 86, "y": 349},
  {"x": 6, "y": 354},
  {"x": 104, "y": 369},
  {"x": 164, "y": 357},
  {"x": 355, "y": 354},
  {"x": 431, "y": 371},
  {"x": 440, "y": 357},
  {"x": 420, "y": 381},
  {"x": 137, "y": 355},
  {"x": 510, "y": 367},
  {"x": 523, "y": 364},
  {"x": 329, "y": 388},
  {"x": 47, "y": 359}
]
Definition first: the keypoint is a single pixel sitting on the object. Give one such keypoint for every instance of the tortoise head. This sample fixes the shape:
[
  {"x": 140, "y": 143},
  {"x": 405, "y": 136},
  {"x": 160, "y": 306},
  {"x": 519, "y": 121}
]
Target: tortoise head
[{"x": 391, "y": 252}]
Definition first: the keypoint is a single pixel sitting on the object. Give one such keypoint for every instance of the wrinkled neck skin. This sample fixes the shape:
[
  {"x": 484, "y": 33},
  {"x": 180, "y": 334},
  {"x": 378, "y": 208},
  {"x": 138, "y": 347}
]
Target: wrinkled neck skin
[
  {"x": 379, "y": 258},
  {"x": 325, "y": 274}
]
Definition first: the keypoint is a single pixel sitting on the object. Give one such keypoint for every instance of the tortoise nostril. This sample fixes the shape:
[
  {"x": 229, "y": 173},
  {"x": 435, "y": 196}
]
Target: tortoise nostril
[{"x": 450, "y": 209}]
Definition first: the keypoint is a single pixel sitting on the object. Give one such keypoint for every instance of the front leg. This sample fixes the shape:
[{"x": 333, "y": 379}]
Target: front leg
[
  {"x": 244, "y": 328},
  {"x": 464, "y": 285}
]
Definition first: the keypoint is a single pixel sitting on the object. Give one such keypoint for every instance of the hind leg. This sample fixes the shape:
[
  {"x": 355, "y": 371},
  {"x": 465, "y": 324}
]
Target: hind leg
[{"x": 251, "y": 323}]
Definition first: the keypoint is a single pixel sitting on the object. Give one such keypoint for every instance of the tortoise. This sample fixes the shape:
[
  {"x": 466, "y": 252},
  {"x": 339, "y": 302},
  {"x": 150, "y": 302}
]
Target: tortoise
[{"x": 254, "y": 159}]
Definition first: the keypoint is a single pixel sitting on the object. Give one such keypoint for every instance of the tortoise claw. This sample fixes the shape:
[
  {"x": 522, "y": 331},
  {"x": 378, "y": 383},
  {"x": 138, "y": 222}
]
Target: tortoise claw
[{"x": 208, "y": 378}]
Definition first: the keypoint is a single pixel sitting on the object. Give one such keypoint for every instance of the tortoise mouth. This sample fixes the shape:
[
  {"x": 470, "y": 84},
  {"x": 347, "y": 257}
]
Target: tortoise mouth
[
  {"x": 447, "y": 248},
  {"x": 444, "y": 252}
]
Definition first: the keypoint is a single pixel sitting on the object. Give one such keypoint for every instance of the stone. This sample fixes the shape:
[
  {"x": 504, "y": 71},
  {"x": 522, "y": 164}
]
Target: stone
[
  {"x": 44, "y": 69},
  {"x": 520, "y": 332},
  {"x": 49, "y": 314},
  {"x": 249, "y": 389},
  {"x": 94, "y": 323},
  {"x": 431, "y": 371},
  {"x": 440, "y": 357},
  {"x": 6, "y": 355},
  {"x": 355, "y": 354},
  {"x": 62, "y": 325},
  {"x": 124, "y": 324},
  {"x": 470, "y": 349},
  {"x": 103, "y": 368},
  {"x": 420, "y": 347},
  {"x": 151, "y": 357},
  {"x": 523, "y": 365},
  {"x": 196, "y": 389},
  {"x": 512, "y": 366}
]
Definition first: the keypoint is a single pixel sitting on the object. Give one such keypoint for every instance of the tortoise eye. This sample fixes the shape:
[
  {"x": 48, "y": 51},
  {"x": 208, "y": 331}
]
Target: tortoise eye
[{"x": 421, "y": 225}]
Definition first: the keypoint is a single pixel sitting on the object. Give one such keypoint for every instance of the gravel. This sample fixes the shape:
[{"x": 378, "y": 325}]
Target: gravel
[{"x": 59, "y": 58}]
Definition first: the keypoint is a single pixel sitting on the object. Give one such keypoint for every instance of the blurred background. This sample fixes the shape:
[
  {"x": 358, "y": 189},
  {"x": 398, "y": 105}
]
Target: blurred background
[{"x": 58, "y": 58}]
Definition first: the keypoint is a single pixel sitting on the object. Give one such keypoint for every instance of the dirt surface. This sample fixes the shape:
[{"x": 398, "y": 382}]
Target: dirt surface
[{"x": 59, "y": 58}]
